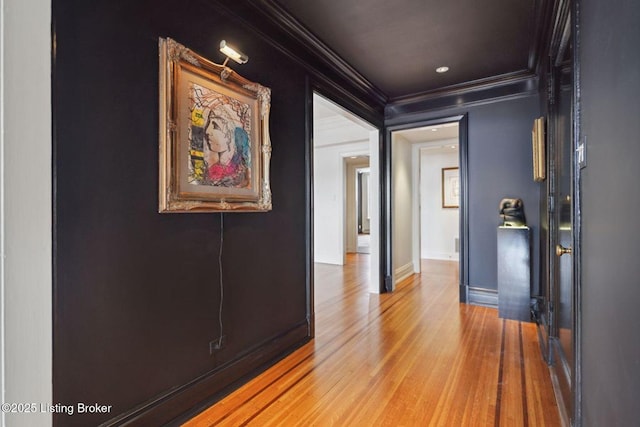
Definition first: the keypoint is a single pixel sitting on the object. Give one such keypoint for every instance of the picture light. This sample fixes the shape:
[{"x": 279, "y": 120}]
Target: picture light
[{"x": 232, "y": 53}]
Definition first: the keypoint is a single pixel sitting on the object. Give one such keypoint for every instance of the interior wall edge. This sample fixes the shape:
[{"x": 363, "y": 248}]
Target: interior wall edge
[{"x": 25, "y": 208}]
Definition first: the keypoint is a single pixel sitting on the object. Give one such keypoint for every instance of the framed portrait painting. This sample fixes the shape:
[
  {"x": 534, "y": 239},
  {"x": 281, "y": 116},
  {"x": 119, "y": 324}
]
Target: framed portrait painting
[
  {"x": 450, "y": 187},
  {"x": 215, "y": 148}
]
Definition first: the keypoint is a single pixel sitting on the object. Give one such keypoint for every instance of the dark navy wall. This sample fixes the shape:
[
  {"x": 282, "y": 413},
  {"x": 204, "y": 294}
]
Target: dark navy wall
[
  {"x": 136, "y": 293},
  {"x": 500, "y": 165},
  {"x": 610, "y": 88}
]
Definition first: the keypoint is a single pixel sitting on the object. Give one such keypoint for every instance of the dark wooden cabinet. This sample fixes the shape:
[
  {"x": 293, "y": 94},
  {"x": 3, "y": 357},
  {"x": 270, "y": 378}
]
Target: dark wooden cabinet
[{"x": 514, "y": 273}]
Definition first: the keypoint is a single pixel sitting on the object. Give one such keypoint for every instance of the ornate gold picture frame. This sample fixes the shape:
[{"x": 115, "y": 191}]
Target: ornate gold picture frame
[{"x": 215, "y": 149}]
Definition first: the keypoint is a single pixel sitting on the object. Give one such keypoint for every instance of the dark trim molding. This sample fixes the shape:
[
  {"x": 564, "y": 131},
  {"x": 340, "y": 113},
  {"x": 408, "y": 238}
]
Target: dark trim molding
[
  {"x": 483, "y": 297},
  {"x": 542, "y": 326},
  {"x": 386, "y": 191},
  {"x": 386, "y": 210},
  {"x": 168, "y": 409},
  {"x": 577, "y": 215},
  {"x": 561, "y": 31},
  {"x": 295, "y": 29},
  {"x": 277, "y": 27},
  {"x": 463, "y": 136},
  {"x": 542, "y": 28},
  {"x": 561, "y": 377},
  {"x": 521, "y": 83},
  {"x": 308, "y": 167}
]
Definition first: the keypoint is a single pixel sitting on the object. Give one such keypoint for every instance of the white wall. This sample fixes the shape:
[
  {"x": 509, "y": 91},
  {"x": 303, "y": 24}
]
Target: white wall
[
  {"x": 374, "y": 194},
  {"x": 25, "y": 208},
  {"x": 402, "y": 230},
  {"x": 439, "y": 226},
  {"x": 330, "y": 198}
]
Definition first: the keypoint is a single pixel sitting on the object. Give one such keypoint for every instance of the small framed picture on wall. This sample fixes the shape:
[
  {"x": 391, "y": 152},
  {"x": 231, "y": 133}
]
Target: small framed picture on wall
[{"x": 451, "y": 187}]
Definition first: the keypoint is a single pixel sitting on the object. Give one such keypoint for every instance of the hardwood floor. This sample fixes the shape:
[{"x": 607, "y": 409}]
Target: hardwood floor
[{"x": 415, "y": 357}]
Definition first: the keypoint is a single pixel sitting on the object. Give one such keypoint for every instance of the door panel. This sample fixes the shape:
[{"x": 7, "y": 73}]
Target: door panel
[
  {"x": 562, "y": 327},
  {"x": 564, "y": 220}
]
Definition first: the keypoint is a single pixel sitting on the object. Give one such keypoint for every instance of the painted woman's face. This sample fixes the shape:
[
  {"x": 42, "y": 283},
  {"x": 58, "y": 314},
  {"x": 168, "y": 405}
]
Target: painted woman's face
[{"x": 216, "y": 138}]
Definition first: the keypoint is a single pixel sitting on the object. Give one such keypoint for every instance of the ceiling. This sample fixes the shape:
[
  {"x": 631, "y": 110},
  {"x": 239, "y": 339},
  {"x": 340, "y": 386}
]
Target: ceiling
[
  {"x": 443, "y": 133},
  {"x": 397, "y": 45}
]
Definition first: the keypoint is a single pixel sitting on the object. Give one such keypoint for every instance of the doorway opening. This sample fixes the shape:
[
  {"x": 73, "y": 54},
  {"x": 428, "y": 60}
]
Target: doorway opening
[
  {"x": 363, "y": 209},
  {"x": 428, "y": 197},
  {"x": 346, "y": 188}
]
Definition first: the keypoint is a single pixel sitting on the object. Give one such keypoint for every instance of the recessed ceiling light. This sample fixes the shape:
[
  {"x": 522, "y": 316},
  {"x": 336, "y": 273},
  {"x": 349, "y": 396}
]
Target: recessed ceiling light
[
  {"x": 434, "y": 129},
  {"x": 442, "y": 69}
]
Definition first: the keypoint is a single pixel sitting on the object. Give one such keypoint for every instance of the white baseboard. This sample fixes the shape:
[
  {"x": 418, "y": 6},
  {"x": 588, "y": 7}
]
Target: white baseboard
[
  {"x": 442, "y": 256},
  {"x": 403, "y": 272}
]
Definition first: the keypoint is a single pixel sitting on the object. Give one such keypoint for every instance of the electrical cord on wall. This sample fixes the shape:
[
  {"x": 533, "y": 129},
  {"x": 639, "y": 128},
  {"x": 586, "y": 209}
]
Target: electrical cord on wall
[{"x": 221, "y": 282}]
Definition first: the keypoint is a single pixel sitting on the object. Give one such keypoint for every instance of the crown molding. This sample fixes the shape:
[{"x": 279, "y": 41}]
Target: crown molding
[
  {"x": 496, "y": 86},
  {"x": 560, "y": 31},
  {"x": 466, "y": 87},
  {"x": 295, "y": 28},
  {"x": 303, "y": 45},
  {"x": 295, "y": 40},
  {"x": 328, "y": 73},
  {"x": 542, "y": 29},
  {"x": 519, "y": 83}
]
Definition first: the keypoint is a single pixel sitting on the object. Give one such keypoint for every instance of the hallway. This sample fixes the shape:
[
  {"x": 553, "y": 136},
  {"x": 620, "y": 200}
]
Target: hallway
[{"x": 415, "y": 357}]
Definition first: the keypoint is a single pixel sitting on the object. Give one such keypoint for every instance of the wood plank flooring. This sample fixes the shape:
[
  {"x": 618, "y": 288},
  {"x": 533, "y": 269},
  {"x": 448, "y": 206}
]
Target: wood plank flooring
[{"x": 415, "y": 357}]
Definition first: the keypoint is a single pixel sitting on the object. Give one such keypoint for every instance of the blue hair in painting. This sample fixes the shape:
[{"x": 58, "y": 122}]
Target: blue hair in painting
[{"x": 242, "y": 146}]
